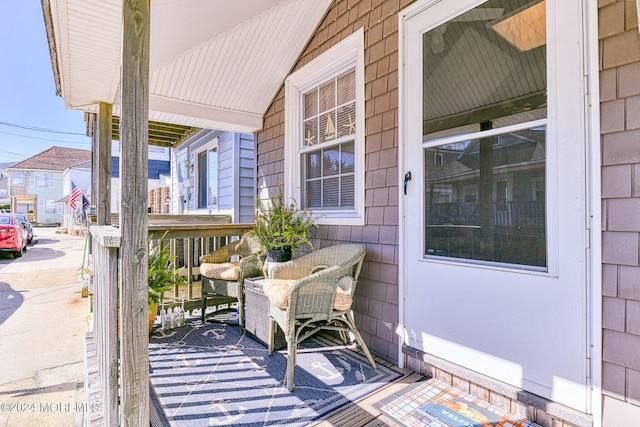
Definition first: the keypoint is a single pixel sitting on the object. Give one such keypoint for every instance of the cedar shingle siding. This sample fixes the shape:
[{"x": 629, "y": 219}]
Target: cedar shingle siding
[
  {"x": 620, "y": 128},
  {"x": 376, "y": 305},
  {"x": 377, "y": 299}
]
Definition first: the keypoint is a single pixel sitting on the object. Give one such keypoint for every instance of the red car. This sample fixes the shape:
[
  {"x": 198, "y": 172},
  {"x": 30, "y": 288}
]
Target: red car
[{"x": 13, "y": 235}]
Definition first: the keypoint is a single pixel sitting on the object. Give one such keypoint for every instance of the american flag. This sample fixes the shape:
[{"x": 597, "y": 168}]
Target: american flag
[{"x": 75, "y": 193}]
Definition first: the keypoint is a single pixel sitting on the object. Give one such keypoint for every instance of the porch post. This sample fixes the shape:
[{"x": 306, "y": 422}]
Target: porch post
[
  {"x": 102, "y": 175},
  {"x": 134, "y": 122}
]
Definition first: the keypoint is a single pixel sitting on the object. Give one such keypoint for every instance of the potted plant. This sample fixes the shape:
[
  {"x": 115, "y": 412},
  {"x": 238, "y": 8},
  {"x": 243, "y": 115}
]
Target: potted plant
[
  {"x": 162, "y": 276},
  {"x": 282, "y": 227}
]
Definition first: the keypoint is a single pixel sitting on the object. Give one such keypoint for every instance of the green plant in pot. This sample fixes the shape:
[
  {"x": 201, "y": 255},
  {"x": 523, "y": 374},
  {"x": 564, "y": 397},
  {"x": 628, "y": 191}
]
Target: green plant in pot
[
  {"x": 282, "y": 227},
  {"x": 162, "y": 276}
]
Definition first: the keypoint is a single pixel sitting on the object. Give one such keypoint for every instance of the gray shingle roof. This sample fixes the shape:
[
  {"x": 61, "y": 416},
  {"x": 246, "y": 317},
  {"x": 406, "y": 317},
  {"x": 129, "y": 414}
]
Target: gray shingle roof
[{"x": 55, "y": 158}]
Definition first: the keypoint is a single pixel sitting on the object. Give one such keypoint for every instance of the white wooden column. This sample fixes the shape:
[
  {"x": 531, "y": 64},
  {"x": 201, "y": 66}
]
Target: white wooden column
[
  {"x": 102, "y": 164},
  {"x": 134, "y": 126}
]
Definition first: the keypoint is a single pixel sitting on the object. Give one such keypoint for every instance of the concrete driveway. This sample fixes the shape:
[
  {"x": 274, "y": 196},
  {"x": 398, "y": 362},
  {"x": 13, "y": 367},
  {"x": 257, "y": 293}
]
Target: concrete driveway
[{"x": 43, "y": 320}]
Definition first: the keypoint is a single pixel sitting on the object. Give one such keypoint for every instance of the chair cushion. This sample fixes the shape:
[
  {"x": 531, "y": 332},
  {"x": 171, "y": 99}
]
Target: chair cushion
[
  {"x": 224, "y": 271},
  {"x": 277, "y": 290}
]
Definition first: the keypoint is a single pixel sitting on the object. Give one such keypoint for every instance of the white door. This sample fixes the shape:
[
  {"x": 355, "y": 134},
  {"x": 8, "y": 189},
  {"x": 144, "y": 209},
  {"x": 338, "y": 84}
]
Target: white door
[{"x": 495, "y": 229}]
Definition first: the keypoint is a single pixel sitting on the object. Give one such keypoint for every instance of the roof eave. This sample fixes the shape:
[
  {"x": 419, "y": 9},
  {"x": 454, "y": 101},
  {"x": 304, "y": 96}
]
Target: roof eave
[{"x": 51, "y": 41}]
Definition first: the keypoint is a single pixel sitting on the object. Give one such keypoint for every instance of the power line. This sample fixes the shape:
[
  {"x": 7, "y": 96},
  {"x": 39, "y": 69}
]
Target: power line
[
  {"x": 47, "y": 139},
  {"x": 14, "y": 154},
  {"x": 40, "y": 129}
]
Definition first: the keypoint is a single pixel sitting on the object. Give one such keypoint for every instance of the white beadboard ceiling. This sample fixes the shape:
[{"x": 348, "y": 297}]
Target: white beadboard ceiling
[{"x": 214, "y": 64}]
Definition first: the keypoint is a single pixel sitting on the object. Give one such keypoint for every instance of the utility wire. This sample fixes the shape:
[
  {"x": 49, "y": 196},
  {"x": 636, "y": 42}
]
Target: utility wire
[
  {"x": 40, "y": 129},
  {"x": 47, "y": 139},
  {"x": 15, "y": 154}
]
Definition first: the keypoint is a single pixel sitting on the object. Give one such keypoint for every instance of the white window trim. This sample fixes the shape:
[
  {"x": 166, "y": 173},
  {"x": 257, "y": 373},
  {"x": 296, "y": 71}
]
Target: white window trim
[
  {"x": 346, "y": 54},
  {"x": 46, "y": 176},
  {"x": 14, "y": 176},
  {"x": 196, "y": 175},
  {"x": 48, "y": 203}
]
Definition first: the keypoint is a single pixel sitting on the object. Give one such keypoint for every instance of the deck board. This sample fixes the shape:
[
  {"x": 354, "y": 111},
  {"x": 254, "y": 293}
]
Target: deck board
[
  {"x": 366, "y": 411},
  {"x": 92, "y": 389}
]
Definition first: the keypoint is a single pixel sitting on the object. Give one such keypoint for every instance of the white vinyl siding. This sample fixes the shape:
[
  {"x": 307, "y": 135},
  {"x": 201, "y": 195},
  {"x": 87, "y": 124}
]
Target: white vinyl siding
[{"x": 235, "y": 174}]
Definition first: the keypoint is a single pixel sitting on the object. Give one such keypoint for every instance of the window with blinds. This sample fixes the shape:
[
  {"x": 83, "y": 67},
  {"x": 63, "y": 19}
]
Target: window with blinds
[{"x": 327, "y": 146}]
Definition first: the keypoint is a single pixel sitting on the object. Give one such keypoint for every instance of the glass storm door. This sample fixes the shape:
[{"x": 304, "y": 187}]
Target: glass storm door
[{"x": 494, "y": 218}]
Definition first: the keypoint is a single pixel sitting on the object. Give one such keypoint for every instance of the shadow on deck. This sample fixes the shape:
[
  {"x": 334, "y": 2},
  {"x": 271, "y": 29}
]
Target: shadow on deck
[{"x": 212, "y": 374}]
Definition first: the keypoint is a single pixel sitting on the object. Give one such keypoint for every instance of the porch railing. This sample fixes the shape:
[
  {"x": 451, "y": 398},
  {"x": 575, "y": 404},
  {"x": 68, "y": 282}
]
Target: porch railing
[{"x": 188, "y": 236}]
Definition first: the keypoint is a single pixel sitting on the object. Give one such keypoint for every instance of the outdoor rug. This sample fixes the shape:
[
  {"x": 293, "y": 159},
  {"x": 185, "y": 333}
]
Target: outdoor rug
[
  {"x": 204, "y": 375},
  {"x": 436, "y": 404}
]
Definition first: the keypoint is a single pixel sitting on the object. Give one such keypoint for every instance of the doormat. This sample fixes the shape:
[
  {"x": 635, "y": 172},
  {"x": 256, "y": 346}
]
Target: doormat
[
  {"x": 203, "y": 375},
  {"x": 437, "y": 404}
]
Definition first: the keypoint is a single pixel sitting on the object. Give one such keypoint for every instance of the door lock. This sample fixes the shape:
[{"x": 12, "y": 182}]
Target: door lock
[{"x": 407, "y": 178}]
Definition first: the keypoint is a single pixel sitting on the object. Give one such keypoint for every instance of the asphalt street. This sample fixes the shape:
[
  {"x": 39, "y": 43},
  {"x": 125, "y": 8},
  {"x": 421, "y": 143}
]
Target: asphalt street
[{"x": 43, "y": 321}]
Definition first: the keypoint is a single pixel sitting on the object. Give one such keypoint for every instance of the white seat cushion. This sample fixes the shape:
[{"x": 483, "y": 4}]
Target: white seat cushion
[{"x": 224, "y": 271}]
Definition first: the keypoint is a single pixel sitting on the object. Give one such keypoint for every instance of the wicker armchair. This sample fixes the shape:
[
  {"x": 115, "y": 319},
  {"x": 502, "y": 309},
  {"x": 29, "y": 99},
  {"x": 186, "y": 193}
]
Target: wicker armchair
[
  {"x": 312, "y": 305},
  {"x": 222, "y": 279}
]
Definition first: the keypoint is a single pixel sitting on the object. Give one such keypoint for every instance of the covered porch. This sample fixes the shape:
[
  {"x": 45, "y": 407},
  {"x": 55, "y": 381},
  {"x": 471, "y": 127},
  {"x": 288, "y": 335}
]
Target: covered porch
[
  {"x": 137, "y": 70},
  {"x": 214, "y": 373},
  {"x": 154, "y": 75}
]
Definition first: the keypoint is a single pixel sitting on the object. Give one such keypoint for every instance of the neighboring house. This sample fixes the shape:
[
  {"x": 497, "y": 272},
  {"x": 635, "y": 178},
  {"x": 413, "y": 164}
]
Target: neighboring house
[
  {"x": 80, "y": 174},
  {"x": 486, "y": 153},
  {"x": 4, "y": 184},
  {"x": 159, "y": 171},
  {"x": 35, "y": 184},
  {"x": 214, "y": 172}
]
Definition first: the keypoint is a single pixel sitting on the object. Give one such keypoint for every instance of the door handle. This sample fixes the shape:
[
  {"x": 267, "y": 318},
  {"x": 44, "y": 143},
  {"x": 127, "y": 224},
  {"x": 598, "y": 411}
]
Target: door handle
[{"x": 407, "y": 178}]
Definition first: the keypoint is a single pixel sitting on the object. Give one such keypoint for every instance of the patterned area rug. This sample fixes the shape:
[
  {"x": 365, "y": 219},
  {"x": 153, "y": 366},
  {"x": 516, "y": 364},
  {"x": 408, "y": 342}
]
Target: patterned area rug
[
  {"x": 436, "y": 404},
  {"x": 204, "y": 375}
]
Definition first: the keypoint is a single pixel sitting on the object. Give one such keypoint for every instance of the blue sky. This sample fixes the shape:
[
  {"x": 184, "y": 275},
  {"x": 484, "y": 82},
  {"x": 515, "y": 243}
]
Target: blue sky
[{"x": 27, "y": 90}]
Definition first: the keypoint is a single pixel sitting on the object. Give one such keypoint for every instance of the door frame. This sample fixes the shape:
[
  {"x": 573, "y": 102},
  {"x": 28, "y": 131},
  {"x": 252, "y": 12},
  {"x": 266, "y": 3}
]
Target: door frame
[{"x": 591, "y": 123}]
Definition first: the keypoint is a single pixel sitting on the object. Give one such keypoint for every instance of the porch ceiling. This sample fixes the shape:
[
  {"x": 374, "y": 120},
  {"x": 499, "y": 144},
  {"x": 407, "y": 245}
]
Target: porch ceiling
[
  {"x": 160, "y": 134},
  {"x": 214, "y": 64}
]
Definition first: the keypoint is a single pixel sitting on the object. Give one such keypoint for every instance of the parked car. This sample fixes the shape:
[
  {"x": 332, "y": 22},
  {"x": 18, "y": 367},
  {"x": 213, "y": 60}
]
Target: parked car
[
  {"x": 29, "y": 227},
  {"x": 24, "y": 219},
  {"x": 13, "y": 235}
]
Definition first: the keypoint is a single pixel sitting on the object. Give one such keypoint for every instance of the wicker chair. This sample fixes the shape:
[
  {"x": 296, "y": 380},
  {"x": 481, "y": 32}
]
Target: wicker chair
[
  {"x": 316, "y": 278},
  {"x": 222, "y": 280}
]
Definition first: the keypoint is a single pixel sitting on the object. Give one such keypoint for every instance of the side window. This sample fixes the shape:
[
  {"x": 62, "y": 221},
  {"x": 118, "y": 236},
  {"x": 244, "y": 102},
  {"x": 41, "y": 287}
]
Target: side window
[
  {"x": 324, "y": 135},
  {"x": 50, "y": 206},
  {"x": 207, "y": 177},
  {"x": 327, "y": 151},
  {"x": 41, "y": 179},
  {"x": 17, "y": 178}
]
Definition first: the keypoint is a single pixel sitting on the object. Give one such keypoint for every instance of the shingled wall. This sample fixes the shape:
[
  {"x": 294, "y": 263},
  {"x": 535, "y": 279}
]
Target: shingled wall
[
  {"x": 620, "y": 128},
  {"x": 376, "y": 304}
]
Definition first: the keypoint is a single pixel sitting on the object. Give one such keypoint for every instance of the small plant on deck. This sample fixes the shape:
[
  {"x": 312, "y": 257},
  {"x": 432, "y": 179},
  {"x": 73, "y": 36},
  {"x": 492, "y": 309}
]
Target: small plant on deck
[
  {"x": 162, "y": 274},
  {"x": 282, "y": 226}
]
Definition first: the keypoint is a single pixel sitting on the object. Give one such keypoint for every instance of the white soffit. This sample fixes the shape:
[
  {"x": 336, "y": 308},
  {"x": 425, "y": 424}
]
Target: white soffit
[
  {"x": 213, "y": 63},
  {"x": 88, "y": 34}
]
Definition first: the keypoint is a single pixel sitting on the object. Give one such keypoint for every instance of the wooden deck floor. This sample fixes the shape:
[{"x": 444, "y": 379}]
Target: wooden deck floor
[
  {"x": 362, "y": 413},
  {"x": 366, "y": 411}
]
